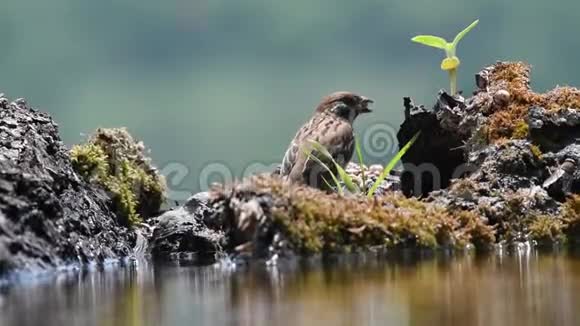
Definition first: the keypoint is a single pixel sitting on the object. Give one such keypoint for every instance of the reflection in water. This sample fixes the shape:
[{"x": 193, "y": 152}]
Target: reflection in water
[{"x": 531, "y": 289}]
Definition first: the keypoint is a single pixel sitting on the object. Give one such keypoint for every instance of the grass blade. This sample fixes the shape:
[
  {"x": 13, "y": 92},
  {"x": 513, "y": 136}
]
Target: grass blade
[
  {"x": 317, "y": 160},
  {"x": 392, "y": 164},
  {"x": 361, "y": 164},
  {"x": 326, "y": 182},
  {"x": 320, "y": 148},
  {"x": 346, "y": 179}
]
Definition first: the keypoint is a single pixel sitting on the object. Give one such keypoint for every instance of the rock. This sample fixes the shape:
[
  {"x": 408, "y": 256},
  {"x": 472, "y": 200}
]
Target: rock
[
  {"x": 501, "y": 99},
  {"x": 48, "y": 215},
  {"x": 553, "y": 131},
  {"x": 390, "y": 183},
  {"x": 438, "y": 148},
  {"x": 506, "y": 153},
  {"x": 560, "y": 181},
  {"x": 571, "y": 180},
  {"x": 181, "y": 234}
]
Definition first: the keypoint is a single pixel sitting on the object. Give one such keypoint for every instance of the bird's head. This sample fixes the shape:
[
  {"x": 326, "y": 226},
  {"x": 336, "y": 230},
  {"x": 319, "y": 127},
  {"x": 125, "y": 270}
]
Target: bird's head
[{"x": 345, "y": 104}]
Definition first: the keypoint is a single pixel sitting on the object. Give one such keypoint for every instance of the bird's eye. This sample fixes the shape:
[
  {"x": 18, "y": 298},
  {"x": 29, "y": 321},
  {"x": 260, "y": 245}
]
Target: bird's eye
[{"x": 349, "y": 101}]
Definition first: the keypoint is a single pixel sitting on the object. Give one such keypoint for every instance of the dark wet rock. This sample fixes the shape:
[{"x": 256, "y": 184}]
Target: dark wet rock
[
  {"x": 48, "y": 215},
  {"x": 181, "y": 234},
  {"x": 246, "y": 220},
  {"x": 552, "y": 131},
  {"x": 555, "y": 160},
  {"x": 560, "y": 181},
  {"x": 511, "y": 165},
  {"x": 439, "y": 147}
]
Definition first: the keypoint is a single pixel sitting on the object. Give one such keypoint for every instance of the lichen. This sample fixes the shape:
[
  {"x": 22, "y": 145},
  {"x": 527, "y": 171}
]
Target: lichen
[
  {"x": 513, "y": 77},
  {"x": 315, "y": 221},
  {"x": 115, "y": 161}
]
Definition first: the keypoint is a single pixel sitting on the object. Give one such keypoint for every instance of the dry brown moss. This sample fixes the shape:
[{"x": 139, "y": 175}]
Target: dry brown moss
[
  {"x": 316, "y": 221},
  {"x": 509, "y": 122}
]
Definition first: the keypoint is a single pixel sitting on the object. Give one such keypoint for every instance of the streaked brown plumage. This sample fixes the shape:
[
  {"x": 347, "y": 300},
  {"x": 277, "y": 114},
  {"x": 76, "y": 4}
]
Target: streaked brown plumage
[{"x": 331, "y": 126}]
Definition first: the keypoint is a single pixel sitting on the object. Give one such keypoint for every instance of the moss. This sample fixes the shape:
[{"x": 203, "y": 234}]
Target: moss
[
  {"x": 112, "y": 159},
  {"x": 536, "y": 151},
  {"x": 315, "y": 221},
  {"x": 89, "y": 161},
  {"x": 521, "y": 130},
  {"x": 463, "y": 188},
  {"x": 571, "y": 218},
  {"x": 514, "y": 77},
  {"x": 511, "y": 222},
  {"x": 546, "y": 230},
  {"x": 479, "y": 137}
]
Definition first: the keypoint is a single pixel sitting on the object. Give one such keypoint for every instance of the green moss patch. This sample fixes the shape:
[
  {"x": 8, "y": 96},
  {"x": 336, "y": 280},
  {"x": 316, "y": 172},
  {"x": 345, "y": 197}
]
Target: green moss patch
[
  {"x": 114, "y": 160},
  {"x": 315, "y": 221}
]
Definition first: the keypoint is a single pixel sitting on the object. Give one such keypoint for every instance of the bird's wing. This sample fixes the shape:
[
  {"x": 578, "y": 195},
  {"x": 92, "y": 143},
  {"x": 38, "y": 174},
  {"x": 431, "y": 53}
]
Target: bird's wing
[
  {"x": 339, "y": 141},
  {"x": 336, "y": 136},
  {"x": 292, "y": 153}
]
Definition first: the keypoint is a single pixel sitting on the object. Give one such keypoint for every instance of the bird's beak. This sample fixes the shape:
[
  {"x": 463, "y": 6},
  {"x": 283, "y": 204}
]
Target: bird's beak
[{"x": 365, "y": 105}]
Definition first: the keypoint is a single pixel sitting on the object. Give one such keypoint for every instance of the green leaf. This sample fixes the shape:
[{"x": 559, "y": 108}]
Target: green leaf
[
  {"x": 392, "y": 164},
  {"x": 462, "y": 34},
  {"x": 313, "y": 157},
  {"x": 361, "y": 164},
  {"x": 430, "y": 40}
]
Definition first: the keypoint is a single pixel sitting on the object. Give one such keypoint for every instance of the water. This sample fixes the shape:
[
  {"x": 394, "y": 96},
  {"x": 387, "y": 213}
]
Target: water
[{"x": 499, "y": 289}]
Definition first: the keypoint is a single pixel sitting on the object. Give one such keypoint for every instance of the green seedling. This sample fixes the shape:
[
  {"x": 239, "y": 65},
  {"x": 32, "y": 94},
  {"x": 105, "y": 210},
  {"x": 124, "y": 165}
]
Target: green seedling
[
  {"x": 344, "y": 177},
  {"x": 451, "y": 62}
]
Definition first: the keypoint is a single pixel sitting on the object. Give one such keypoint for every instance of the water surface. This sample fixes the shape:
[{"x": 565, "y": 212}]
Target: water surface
[{"x": 499, "y": 289}]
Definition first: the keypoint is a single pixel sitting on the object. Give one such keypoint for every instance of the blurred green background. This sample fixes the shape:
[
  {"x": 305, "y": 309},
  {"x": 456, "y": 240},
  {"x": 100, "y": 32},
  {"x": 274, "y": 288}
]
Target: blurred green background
[{"x": 202, "y": 81}]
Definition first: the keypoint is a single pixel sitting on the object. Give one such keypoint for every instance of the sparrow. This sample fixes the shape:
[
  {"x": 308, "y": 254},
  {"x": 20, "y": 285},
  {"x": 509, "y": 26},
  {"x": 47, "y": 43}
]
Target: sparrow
[{"x": 331, "y": 126}]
